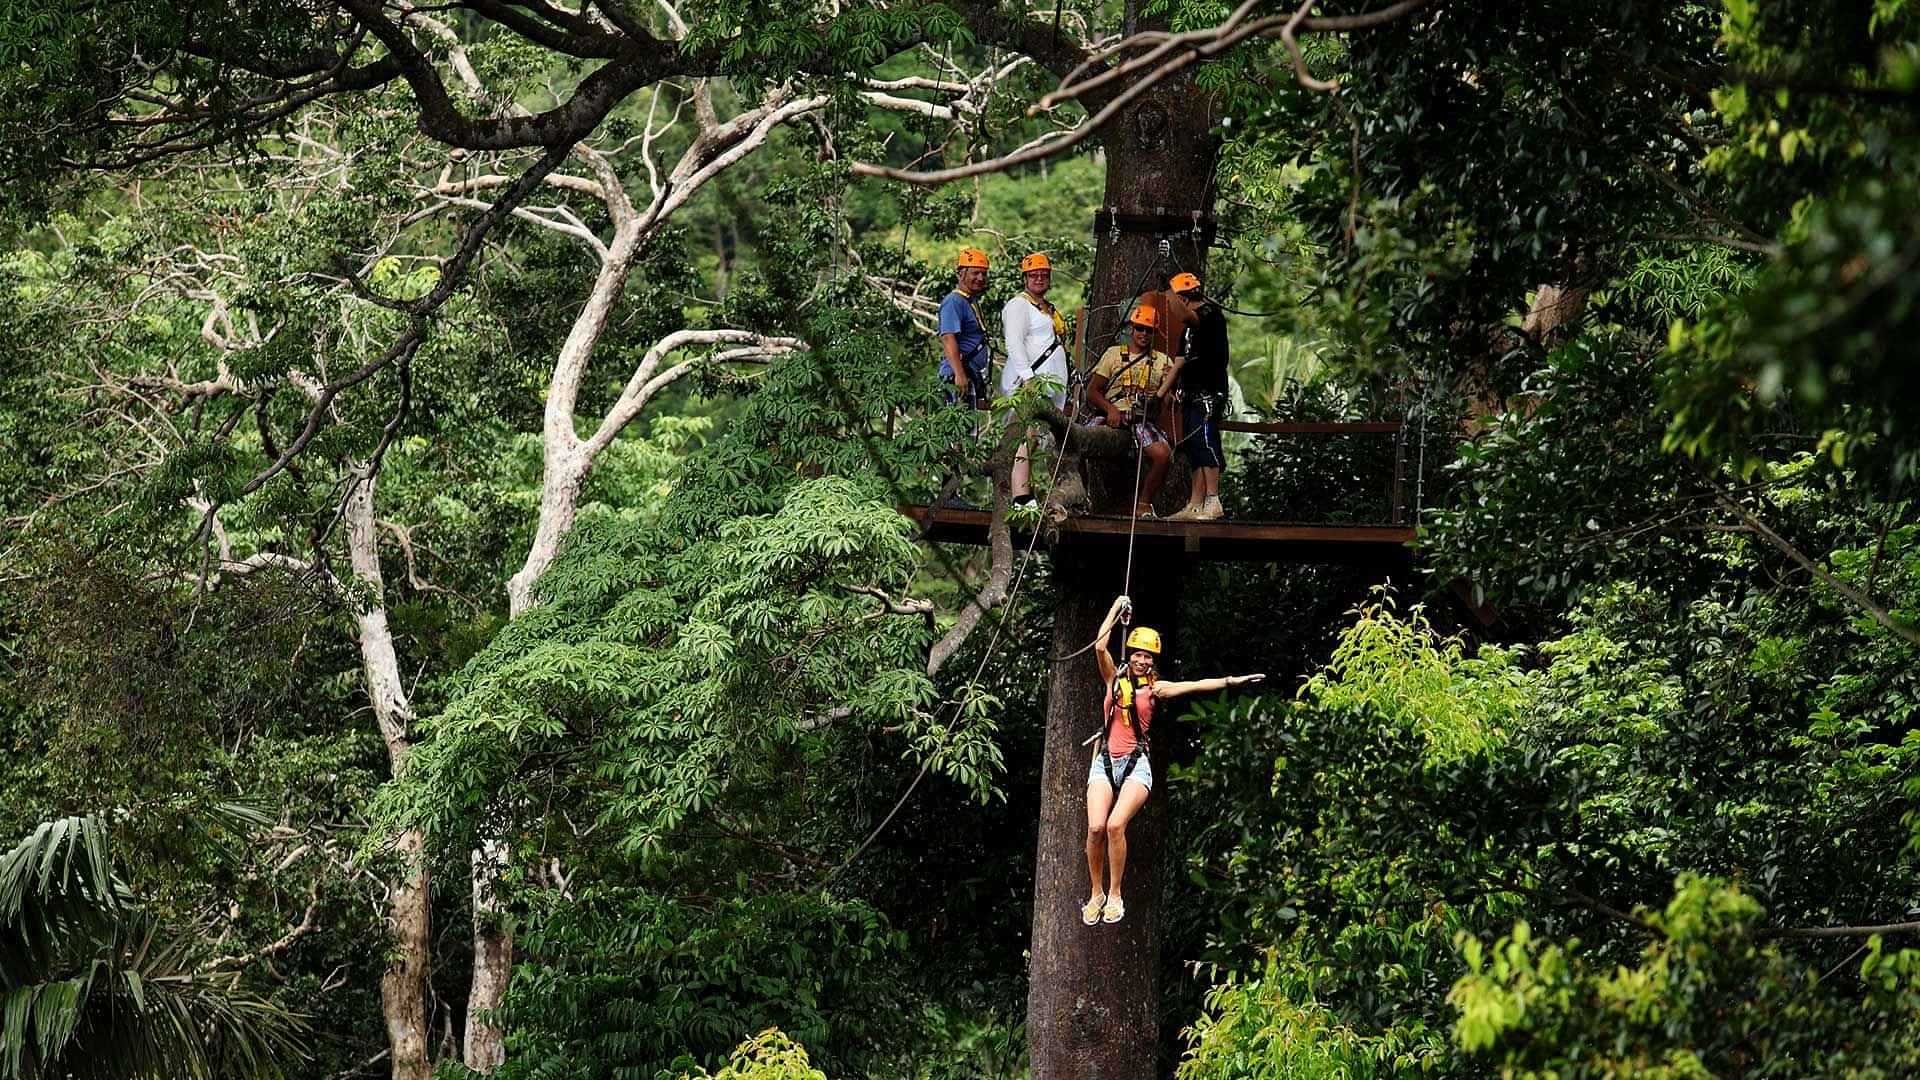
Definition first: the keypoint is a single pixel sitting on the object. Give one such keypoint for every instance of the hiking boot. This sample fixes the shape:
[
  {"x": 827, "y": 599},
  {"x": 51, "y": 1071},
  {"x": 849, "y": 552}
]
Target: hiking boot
[{"x": 1211, "y": 510}]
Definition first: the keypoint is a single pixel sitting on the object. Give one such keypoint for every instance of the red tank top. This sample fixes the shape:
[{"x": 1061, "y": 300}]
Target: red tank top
[{"x": 1120, "y": 740}]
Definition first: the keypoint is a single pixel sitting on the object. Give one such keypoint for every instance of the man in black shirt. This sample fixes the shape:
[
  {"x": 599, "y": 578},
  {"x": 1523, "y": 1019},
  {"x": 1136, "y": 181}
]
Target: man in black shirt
[{"x": 1201, "y": 372}]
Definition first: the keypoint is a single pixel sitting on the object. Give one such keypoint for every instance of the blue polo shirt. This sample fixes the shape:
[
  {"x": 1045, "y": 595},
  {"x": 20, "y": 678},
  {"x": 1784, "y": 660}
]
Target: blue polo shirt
[{"x": 958, "y": 317}]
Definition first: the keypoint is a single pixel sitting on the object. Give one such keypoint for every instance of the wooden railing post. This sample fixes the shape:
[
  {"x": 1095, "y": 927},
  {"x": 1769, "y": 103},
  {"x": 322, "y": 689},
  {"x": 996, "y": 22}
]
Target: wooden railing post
[{"x": 1397, "y": 499}]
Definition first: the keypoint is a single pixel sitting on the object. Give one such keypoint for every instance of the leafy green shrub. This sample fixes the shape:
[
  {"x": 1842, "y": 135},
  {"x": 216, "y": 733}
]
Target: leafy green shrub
[
  {"x": 1710, "y": 996},
  {"x": 769, "y": 1055},
  {"x": 621, "y": 982}
]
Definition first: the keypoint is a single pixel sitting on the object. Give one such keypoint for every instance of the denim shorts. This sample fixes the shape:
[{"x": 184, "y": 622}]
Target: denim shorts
[{"x": 1142, "y": 771}]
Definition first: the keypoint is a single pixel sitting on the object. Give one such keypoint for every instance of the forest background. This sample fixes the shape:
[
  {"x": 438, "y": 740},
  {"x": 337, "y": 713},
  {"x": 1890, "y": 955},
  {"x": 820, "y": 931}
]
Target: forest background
[{"x": 456, "y": 619}]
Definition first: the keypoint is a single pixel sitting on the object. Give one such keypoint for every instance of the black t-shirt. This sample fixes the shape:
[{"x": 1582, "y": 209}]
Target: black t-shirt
[{"x": 1206, "y": 370}]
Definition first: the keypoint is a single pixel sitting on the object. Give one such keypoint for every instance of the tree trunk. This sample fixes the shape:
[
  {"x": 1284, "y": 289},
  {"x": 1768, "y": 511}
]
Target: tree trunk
[
  {"x": 403, "y": 986},
  {"x": 1554, "y": 307},
  {"x": 564, "y": 472},
  {"x": 1093, "y": 1002},
  {"x": 485, "y": 1046},
  {"x": 565, "y": 464}
]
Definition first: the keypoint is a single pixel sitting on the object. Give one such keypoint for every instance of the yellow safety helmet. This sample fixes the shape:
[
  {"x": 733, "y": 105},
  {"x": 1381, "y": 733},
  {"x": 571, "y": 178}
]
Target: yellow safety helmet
[
  {"x": 1184, "y": 282},
  {"x": 1144, "y": 637},
  {"x": 1145, "y": 316},
  {"x": 1035, "y": 261},
  {"x": 973, "y": 258}
]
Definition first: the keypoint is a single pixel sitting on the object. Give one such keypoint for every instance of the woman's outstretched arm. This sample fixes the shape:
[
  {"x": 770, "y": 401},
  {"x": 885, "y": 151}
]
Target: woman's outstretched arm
[
  {"x": 1176, "y": 689},
  {"x": 1120, "y": 604}
]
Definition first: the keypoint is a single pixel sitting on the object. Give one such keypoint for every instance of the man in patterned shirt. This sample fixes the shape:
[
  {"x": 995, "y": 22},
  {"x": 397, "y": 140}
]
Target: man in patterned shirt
[{"x": 1129, "y": 389}]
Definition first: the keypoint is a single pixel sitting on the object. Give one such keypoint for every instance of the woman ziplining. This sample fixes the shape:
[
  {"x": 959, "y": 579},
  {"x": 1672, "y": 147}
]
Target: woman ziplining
[{"x": 1121, "y": 775}]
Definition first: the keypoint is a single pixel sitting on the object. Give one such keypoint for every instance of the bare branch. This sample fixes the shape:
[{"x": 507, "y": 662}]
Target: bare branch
[
  {"x": 1000, "y": 552},
  {"x": 1176, "y": 53},
  {"x": 403, "y": 349},
  {"x": 1293, "y": 49},
  {"x": 1861, "y": 600},
  {"x": 308, "y": 923},
  {"x": 892, "y": 606},
  {"x": 647, "y": 380},
  {"x": 1842, "y": 931}
]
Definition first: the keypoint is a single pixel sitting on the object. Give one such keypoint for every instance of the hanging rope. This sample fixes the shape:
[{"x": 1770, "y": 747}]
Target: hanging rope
[
  {"x": 1221, "y": 304},
  {"x": 1133, "y": 516}
]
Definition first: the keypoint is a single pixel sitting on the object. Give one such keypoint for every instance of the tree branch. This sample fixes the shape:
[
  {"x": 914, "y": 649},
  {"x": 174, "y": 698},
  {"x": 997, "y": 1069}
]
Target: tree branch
[
  {"x": 647, "y": 380},
  {"x": 1860, "y": 599},
  {"x": 402, "y": 350},
  {"x": 1176, "y": 53}
]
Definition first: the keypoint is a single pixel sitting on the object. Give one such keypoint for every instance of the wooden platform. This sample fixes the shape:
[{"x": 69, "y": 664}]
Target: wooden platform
[{"x": 1214, "y": 541}]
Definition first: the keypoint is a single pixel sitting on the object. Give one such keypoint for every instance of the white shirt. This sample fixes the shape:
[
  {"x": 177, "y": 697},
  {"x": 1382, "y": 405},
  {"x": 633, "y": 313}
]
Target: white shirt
[{"x": 1029, "y": 333}]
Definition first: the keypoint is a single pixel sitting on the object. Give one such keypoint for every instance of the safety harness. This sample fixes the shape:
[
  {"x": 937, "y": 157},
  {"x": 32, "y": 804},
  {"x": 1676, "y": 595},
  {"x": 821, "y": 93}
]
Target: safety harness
[
  {"x": 1059, "y": 328},
  {"x": 1138, "y": 400},
  {"x": 976, "y": 392},
  {"x": 1213, "y": 408},
  {"x": 1120, "y": 699}
]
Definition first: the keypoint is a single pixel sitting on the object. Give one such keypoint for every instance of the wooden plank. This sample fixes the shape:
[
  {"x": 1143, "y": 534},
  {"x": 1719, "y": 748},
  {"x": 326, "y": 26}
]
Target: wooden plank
[
  {"x": 1359, "y": 427},
  {"x": 1079, "y": 340}
]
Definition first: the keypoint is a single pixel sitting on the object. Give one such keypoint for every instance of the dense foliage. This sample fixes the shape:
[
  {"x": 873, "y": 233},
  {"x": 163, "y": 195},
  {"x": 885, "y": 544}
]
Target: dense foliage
[{"x": 299, "y": 598}]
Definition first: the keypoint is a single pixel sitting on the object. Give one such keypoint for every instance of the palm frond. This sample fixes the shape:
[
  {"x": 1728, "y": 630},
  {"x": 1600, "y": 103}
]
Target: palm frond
[{"x": 92, "y": 988}]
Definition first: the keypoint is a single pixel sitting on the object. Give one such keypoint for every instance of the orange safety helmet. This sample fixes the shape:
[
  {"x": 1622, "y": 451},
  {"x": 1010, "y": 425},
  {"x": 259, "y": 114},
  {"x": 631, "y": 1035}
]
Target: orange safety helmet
[
  {"x": 1146, "y": 316},
  {"x": 1183, "y": 282},
  {"x": 973, "y": 259},
  {"x": 1035, "y": 261},
  {"x": 1145, "y": 638}
]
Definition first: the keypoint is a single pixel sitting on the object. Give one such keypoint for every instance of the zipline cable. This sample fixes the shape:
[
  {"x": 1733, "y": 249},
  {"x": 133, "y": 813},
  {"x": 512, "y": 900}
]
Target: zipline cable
[
  {"x": 1126, "y": 583},
  {"x": 1133, "y": 509}
]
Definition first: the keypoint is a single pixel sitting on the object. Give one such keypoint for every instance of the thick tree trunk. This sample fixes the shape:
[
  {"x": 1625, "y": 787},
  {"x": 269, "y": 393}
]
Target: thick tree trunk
[
  {"x": 403, "y": 986},
  {"x": 1093, "y": 1002}
]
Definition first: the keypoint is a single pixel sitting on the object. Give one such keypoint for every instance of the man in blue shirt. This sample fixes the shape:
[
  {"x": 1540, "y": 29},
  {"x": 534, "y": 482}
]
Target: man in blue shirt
[{"x": 964, "y": 360}]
